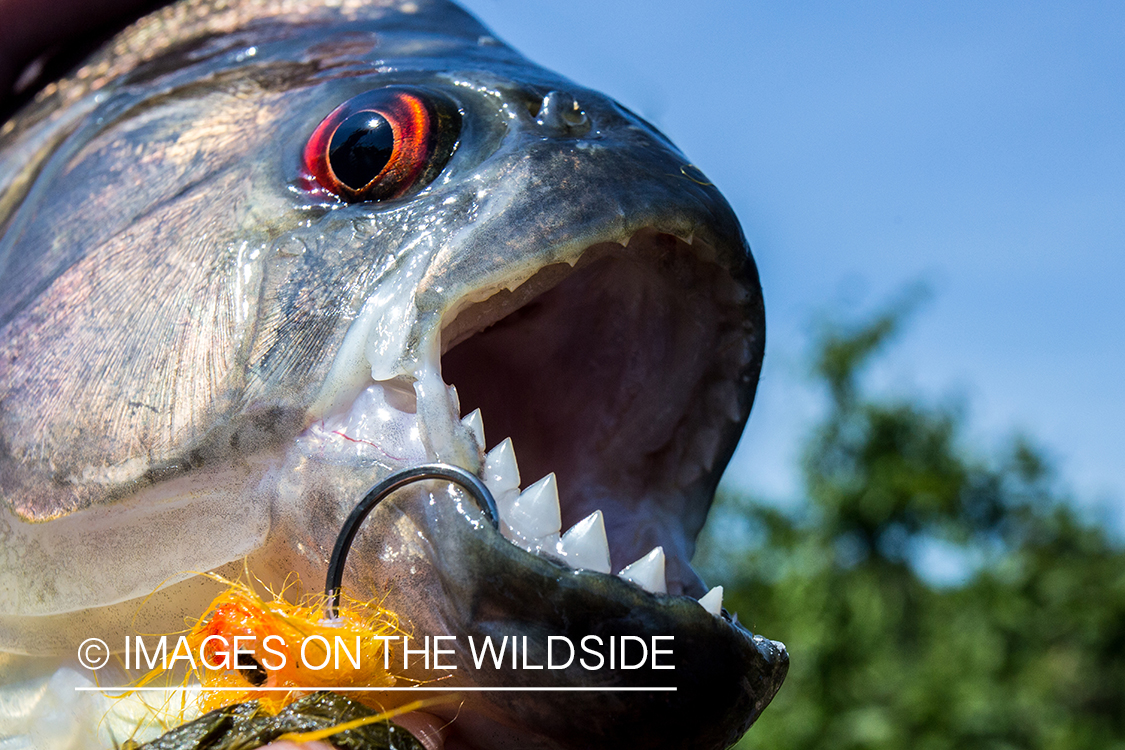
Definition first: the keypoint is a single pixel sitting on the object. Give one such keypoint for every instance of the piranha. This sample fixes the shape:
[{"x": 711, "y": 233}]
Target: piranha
[{"x": 257, "y": 256}]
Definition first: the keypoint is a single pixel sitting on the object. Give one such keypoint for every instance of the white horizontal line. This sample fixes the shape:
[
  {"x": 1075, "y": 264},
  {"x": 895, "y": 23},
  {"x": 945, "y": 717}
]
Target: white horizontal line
[{"x": 146, "y": 689}]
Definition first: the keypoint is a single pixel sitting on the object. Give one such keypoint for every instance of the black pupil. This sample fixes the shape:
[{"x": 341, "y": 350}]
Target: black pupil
[{"x": 360, "y": 148}]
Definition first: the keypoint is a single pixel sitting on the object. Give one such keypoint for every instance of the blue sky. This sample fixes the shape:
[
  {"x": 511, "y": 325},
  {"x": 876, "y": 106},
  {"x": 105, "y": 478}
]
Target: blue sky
[{"x": 976, "y": 146}]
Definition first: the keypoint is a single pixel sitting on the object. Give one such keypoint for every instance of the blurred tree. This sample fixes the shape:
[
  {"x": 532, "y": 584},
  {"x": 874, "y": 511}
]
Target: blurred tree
[{"x": 1025, "y": 650}]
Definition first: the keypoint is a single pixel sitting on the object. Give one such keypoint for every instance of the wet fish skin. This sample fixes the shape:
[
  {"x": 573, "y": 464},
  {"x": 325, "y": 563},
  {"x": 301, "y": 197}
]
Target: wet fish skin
[
  {"x": 197, "y": 182},
  {"x": 200, "y": 162}
]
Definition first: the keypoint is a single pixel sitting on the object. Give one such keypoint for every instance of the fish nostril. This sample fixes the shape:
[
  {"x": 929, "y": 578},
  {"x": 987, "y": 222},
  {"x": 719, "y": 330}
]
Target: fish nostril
[{"x": 562, "y": 113}]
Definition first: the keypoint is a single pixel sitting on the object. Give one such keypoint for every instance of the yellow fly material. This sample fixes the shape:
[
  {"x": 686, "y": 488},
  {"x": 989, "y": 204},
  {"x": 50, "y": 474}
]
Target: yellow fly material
[{"x": 245, "y": 642}]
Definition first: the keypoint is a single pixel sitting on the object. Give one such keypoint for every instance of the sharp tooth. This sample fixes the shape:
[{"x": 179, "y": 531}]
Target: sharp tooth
[
  {"x": 475, "y": 424},
  {"x": 648, "y": 572},
  {"x": 455, "y": 398},
  {"x": 712, "y": 601},
  {"x": 584, "y": 545},
  {"x": 535, "y": 514},
  {"x": 548, "y": 544},
  {"x": 501, "y": 473}
]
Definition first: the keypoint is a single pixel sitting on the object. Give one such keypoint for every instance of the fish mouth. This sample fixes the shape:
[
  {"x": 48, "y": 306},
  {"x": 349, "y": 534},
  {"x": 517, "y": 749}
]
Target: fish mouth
[
  {"x": 618, "y": 377},
  {"x": 617, "y": 384}
]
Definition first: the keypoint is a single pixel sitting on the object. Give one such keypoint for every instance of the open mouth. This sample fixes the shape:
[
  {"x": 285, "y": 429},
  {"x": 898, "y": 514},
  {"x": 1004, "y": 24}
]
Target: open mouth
[
  {"x": 613, "y": 391},
  {"x": 615, "y": 386}
]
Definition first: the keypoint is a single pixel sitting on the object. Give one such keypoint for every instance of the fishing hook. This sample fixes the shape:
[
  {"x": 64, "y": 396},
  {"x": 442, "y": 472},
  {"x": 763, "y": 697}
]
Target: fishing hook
[{"x": 376, "y": 494}]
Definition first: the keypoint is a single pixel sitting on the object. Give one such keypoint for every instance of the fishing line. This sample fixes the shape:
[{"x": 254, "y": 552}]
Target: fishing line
[{"x": 399, "y": 479}]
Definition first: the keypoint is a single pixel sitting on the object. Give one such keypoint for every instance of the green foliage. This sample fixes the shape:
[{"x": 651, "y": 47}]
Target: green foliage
[{"x": 1027, "y": 650}]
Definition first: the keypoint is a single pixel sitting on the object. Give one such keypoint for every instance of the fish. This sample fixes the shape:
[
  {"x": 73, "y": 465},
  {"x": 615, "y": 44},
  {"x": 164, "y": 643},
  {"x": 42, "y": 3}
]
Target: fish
[{"x": 256, "y": 256}]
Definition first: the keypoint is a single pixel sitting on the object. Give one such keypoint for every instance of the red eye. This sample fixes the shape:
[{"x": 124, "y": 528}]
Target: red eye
[{"x": 383, "y": 144}]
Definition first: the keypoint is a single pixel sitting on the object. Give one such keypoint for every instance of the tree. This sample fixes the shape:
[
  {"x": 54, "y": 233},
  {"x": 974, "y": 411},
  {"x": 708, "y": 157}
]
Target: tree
[{"x": 1026, "y": 650}]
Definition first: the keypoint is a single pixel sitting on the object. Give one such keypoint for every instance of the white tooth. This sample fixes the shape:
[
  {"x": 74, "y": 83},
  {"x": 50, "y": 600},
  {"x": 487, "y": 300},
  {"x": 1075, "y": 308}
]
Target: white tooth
[
  {"x": 475, "y": 424},
  {"x": 535, "y": 514},
  {"x": 545, "y": 545},
  {"x": 648, "y": 572},
  {"x": 501, "y": 473},
  {"x": 455, "y": 398},
  {"x": 549, "y": 544},
  {"x": 712, "y": 601},
  {"x": 584, "y": 544},
  {"x": 506, "y": 531}
]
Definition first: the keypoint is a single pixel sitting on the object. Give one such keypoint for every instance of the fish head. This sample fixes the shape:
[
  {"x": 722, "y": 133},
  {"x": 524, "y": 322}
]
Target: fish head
[{"x": 254, "y": 266}]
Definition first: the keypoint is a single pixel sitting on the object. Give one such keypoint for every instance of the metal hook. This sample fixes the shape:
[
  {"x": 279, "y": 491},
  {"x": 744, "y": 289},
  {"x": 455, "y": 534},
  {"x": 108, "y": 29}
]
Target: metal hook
[{"x": 397, "y": 480}]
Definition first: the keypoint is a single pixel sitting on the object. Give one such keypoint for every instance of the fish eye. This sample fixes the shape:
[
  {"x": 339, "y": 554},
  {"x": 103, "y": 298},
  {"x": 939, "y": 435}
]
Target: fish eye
[{"x": 383, "y": 144}]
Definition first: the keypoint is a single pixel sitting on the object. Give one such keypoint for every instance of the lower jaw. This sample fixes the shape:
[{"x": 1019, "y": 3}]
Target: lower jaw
[
  {"x": 429, "y": 555},
  {"x": 432, "y": 558}
]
